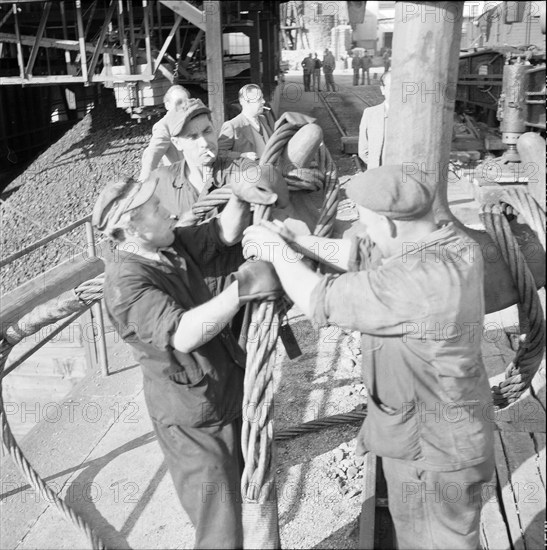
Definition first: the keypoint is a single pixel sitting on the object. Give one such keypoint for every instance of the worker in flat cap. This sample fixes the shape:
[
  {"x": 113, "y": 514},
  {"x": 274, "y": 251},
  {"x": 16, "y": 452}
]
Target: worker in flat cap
[
  {"x": 160, "y": 151},
  {"x": 156, "y": 297},
  {"x": 201, "y": 171},
  {"x": 420, "y": 311}
]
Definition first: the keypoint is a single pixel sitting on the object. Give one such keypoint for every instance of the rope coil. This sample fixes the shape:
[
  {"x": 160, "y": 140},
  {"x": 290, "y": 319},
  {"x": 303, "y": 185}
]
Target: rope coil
[{"x": 520, "y": 372}]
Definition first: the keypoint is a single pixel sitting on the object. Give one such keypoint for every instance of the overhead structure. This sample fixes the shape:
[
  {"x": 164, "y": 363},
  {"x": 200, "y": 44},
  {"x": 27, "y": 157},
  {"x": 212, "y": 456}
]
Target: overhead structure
[{"x": 139, "y": 48}]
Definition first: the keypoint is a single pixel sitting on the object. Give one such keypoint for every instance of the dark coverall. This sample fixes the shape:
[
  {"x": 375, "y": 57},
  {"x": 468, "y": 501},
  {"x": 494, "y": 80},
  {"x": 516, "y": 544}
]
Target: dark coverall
[{"x": 194, "y": 399}]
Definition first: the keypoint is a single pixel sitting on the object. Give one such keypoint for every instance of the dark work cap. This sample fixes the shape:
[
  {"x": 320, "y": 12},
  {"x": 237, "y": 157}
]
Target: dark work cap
[
  {"x": 397, "y": 191},
  {"x": 118, "y": 198},
  {"x": 176, "y": 120}
]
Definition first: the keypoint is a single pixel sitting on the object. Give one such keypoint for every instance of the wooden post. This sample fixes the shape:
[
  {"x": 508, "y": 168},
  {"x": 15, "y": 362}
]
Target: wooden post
[
  {"x": 215, "y": 66},
  {"x": 81, "y": 40},
  {"x": 123, "y": 38},
  {"x": 68, "y": 58},
  {"x": 426, "y": 45},
  {"x": 146, "y": 15},
  {"x": 254, "y": 35},
  {"x": 38, "y": 38},
  {"x": 20, "y": 60},
  {"x": 419, "y": 132}
]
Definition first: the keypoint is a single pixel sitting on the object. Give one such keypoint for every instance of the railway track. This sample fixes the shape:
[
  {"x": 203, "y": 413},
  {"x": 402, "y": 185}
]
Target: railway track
[{"x": 345, "y": 108}]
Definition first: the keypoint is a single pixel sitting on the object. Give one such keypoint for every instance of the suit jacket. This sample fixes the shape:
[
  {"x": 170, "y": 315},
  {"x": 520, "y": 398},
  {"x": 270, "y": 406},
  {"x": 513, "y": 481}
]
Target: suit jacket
[
  {"x": 372, "y": 132},
  {"x": 160, "y": 147},
  {"x": 238, "y": 136}
]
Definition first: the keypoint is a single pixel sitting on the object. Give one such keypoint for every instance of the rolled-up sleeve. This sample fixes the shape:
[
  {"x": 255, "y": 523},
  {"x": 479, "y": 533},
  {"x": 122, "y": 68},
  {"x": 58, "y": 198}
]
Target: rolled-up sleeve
[{"x": 374, "y": 302}]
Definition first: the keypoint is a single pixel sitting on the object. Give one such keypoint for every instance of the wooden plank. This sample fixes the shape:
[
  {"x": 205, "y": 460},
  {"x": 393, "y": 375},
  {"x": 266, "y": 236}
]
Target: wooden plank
[
  {"x": 65, "y": 276},
  {"x": 368, "y": 505},
  {"x": 215, "y": 65},
  {"x": 56, "y": 43},
  {"x": 528, "y": 489},
  {"x": 493, "y": 530},
  {"x": 509, "y": 500},
  {"x": 20, "y": 60},
  {"x": 188, "y": 12}
]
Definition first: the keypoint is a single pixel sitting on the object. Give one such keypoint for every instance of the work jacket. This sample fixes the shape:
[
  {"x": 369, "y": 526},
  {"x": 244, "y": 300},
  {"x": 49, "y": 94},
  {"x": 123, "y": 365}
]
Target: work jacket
[{"x": 420, "y": 314}]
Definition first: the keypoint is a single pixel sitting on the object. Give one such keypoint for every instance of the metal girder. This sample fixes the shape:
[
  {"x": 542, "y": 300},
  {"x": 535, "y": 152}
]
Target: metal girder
[{"x": 187, "y": 11}]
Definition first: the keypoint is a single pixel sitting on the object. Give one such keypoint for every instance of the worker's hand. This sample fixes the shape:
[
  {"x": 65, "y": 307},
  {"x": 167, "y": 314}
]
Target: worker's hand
[
  {"x": 257, "y": 280},
  {"x": 296, "y": 119},
  {"x": 260, "y": 184},
  {"x": 250, "y": 155},
  {"x": 261, "y": 243},
  {"x": 280, "y": 228}
]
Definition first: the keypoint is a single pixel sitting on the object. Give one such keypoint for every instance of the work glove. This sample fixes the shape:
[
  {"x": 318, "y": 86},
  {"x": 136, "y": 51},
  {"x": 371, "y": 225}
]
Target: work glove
[
  {"x": 296, "y": 119},
  {"x": 257, "y": 280},
  {"x": 260, "y": 184}
]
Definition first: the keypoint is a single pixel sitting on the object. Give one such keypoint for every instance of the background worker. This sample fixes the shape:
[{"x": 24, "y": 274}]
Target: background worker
[
  {"x": 156, "y": 297},
  {"x": 308, "y": 65},
  {"x": 329, "y": 64},
  {"x": 316, "y": 85},
  {"x": 372, "y": 128},
  {"x": 366, "y": 64},
  {"x": 160, "y": 150},
  {"x": 356, "y": 66},
  {"x": 420, "y": 312},
  {"x": 246, "y": 135}
]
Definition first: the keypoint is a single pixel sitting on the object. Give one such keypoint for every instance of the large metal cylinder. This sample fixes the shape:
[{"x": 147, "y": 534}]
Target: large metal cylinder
[{"x": 513, "y": 102}]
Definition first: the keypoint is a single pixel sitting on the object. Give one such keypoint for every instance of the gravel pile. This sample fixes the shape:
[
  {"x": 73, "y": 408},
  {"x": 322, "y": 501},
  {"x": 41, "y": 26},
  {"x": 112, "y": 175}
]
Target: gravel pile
[{"x": 61, "y": 186}]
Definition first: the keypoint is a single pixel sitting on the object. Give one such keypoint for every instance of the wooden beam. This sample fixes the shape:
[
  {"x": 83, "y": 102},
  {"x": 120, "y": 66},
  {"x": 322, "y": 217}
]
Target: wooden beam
[
  {"x": 65, "y": 276},
  {"x": 192, "y": 49},
  {"x": 69, "y": 79},
  {"x": 123, "y": 37},
  {"x": 55, "y": 43},
  {"x": 188, "y": 12},
  {"x": 104, "y": 29},
  {"x": 215, "y": 65},
  {"x": 68, "y": 59},
  {"x": 132, "y": 41},
  {"x": 148, "y": 47},
  {"x": 81, "y": 40},
  {"x": 20, "y": 60},
  {"x": 39, "y": 35},
  {"x": 167, "y": 42},
  {"x": 368, "y": 504},
  {"x": 254, "y": 42},
  {"x": 6, "y": 17},
  {"x": 427, "y": 34}
]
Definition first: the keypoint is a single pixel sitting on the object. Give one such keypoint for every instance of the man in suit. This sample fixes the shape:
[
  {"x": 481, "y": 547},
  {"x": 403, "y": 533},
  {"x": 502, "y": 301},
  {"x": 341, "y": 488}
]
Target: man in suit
[
  {"x": 246, "y": 135},
  {"x": 160, "y": 150},
  {"x": 372, "y": 129}
]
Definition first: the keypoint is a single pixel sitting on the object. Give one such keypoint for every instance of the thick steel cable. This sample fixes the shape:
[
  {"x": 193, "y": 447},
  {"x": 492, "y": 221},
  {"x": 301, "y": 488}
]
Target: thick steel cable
[
  {"x": 51, "y": 312},
  {"x": 520, "y": 372}
]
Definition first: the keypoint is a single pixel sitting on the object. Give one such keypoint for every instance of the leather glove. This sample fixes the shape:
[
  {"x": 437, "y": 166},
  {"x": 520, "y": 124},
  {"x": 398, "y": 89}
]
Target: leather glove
[
  {"x": 260, "y": 184},
  {"x": 257, "y": 280},
  {"x": 296, "y": 119}
]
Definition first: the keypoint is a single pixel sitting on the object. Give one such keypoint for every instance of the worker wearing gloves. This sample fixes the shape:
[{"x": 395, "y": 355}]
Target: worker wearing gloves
[
  {"x": 156, "y": 296},
  {"x": 420, "y": 311}
]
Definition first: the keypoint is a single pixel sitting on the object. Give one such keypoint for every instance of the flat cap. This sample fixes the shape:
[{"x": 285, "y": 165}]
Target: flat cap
[
  {"x": 397, "y": 191},
  {"x": 117, "y": 198},
  {"x": 175, "y": 120}
]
